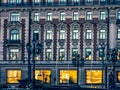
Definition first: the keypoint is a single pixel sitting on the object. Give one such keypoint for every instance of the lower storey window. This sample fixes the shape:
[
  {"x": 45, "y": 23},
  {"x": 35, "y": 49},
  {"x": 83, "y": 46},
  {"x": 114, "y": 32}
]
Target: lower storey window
[
  {"x": 43, "y": 75},
  {"x": 94, "y": 76},
  {"x": 118, "y": 76},
  {"x": 13, "y": 76},
  {"x": 68, "y": 76}
]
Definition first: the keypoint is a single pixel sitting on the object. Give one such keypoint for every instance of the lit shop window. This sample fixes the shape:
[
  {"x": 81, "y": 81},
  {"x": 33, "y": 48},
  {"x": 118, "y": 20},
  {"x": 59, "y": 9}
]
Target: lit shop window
[
  {"x": 13, "y": 76},
  {"x": 43, "y": 75},
  {"x": 118, "y": 76},
  {"x": 68, "y": 76},
  {"x": 94, "y": 77}
]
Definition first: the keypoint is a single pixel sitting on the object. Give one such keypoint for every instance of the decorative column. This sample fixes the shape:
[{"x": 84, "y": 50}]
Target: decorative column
[
  {"x": 112, "y": 33},
  {"x": 68, "y": 41}
]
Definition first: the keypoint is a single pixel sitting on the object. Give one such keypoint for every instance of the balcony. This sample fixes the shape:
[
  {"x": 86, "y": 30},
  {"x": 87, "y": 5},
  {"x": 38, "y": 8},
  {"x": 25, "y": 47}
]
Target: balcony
[{"x": 13, "y": 42}]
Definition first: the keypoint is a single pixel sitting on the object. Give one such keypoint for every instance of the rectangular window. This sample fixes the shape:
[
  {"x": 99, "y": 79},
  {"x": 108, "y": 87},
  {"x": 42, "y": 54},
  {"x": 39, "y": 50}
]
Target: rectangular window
[
  {"x": 12, "y": 1},
  {"x": 89, "y": 16},
  {"x": 119, "y": 14},
  {"x": 13, "y": 76},
  {"x": 102, "y": 15},
  {"x": 14, "y": 54},
  {"x": 75, "y": 1},
  {"x": 49, "y": 16},
  {"x": 62, "y": 34},
  {"x": 74, "y": 52},
  {"x": 88, "y": 54},
  {"x": 62, "y": 16},
  {"x": 61, "y": 54},
  {"x": 43, "y": 75},
  {"x": 49, "y": 1},
  {"x": 48, "y": 54},
  {"x": 49, "y": 34},
  {"x": 36, "y": 2},
  {"x": 68, "y": 76},
  {"x": 102, "y": 34},
  {"x": 75, "y": 34},
  {"x": 63, "y": 2},
  {"x": 100, "y": 54},
  {"x": 75, "y": 15},
  {"x": 18, "y": 1},
  {"x": 118, "y": 54},
  {"x": 14, "y": 17},
  {"x": 94, "y": 77},
  {"x": 88, "y": 34},
  {"x": 89, "y": 1},
  {"x": 36, "y": 16},
  {"x": 35, "y": 35},
  {"x": 102, "y": 0},
  {"x": 118, "y": 33}
]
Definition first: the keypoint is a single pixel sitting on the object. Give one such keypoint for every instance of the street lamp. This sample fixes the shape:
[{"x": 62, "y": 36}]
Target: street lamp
[
  {"x": 112, "y": 57},
  {"x": 34, "y": 49},
  {"x": 101, "y": 47}
]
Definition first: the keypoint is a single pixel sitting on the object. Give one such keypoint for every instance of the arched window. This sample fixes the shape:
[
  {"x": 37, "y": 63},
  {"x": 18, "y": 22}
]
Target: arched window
[{"x": 14, "y": 35}]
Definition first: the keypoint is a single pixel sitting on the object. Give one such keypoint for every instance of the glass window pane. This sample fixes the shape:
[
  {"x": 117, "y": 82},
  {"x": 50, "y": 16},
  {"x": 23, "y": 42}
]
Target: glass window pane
[
  {"x": 35, "y": 35},
  {"x": 48, "y": 34},
  {"x": 102, "y": 34},
  {"x": 62, "y": 34},
  {"x": 75, "y": 15},
  {"x": 88, "y": 34},
  {"x": 48, "y": 54},
  {"x": 75, "y": 34},
  {"x": 14, "y": 17},
  {"x": 36, "y": 16},
  {"x": 43, "y": 75},
  {"x": 102, "y": 15},
  {"x": 94, "y": 77},
  {"x": 89, "y": 16},
  {"x": 14, "y": 54},
  {"x": 13, "y": 76},
  {"x": 119, "y": 14},
  {"x": 88, "y": 53},
  {"x": 49, "y": 16},
  {"x": 62, "y": 16},
  {"x": 61, "y": 54},
  {"x": 68, "y": 76},
  {"x": 14, "y": 35},
  {"x": 118, "y": 33}
]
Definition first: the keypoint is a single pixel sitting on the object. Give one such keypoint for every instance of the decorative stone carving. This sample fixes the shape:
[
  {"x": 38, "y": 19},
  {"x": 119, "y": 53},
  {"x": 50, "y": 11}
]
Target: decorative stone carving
[
  {"x": 74, "y": 26},
  {"x": 15, "y": 25},
  {"x": 35, "y": 26},
  {"x": 48, "y": 26},
  {"x": 88, "y": 25},
  {"x": 102, "y": 26},
  {"x": 61, "y": 26}
]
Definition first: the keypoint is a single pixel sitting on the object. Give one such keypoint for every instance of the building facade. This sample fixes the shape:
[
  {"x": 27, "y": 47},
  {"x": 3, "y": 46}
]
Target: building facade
[{"x": 65, "y": 29}]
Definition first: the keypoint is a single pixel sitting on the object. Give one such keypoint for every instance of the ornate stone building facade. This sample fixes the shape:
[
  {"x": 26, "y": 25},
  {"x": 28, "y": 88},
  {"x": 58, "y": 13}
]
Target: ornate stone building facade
[{"x": 65, "y": 29}]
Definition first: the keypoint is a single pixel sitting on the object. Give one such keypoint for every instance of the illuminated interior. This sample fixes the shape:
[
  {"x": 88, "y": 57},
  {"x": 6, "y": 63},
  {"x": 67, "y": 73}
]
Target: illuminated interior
[
  {"x": 13, "y": 76},
  {"x": 118, "y": 76},
  {"x": 68, "y": 76},
  {"x": 93, "y": 76},
  {"x": 43, "y": 75}
]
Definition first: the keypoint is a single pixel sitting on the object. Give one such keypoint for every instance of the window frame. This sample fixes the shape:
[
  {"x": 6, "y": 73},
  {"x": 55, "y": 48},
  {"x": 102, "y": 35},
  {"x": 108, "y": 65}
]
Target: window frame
[
  {"x": 49, "y": 16},
  {"x": 48, "y": 55},
  {"x": 102, "y": 15},
  {"x": 62, "y": 16},
  {"x": 14, "y": 34},
  {"x": 75, "y": 16},
  {"x": 75, "y": 34},
  {"x": 102, "y": 34},
  {"x": 62, "y": 34},
  {"x": 14, "y": 51},
  {"x": 88, "y": 35},
  {"x": 14, "y": 17},
  {"x": 88, "y": 15}
]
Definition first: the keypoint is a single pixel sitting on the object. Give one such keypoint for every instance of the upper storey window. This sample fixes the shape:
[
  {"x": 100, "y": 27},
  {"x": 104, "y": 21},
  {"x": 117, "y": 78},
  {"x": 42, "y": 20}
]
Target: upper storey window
[
  {"x": 62, "y": 16},
  {"x": 36, "y": 16},
  {"x": 49, "y": 1},
  {"x": 102, "y": 0},
  {"x": 36, "y": 1},
  {"x": 75, "y": 15},
  {"x": 75, "y": 1},
  {"x": 14, "y": 35},
  {"x": 15, "y": 1},
  {"x": 89, "y": 1},
  {"x": 89, "y": 15},
  {"x": 119, "y": 14},
  {"x": 63, "y": 2},
  {"x": 15, "y": 17},
  {"x": 12, "y": 1},
  {"x": 102, "y": 15},
  {"x": 49, "y": 16}
]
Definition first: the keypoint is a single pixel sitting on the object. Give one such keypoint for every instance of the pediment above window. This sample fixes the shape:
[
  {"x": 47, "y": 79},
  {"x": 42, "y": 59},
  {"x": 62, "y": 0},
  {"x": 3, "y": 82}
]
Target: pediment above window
[
  {"x": 102, "y": 26},
  {"x": 74, "y": 26},
  {"x": 61, "y": 26},
  {"x": 48, "y": 26},
  {"x": 35, "y": 26},
  {"x": 88, "y": 25},
  {"x": 12, "y": 25}
]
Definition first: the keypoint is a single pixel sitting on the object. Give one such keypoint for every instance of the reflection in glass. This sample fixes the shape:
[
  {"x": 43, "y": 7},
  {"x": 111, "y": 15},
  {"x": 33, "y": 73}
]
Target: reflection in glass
[
  {"x": 68, "y": 76},
  {"x": 94, "y": 76}
]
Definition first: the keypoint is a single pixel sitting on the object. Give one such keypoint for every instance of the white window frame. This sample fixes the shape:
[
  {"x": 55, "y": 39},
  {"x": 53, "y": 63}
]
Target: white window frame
[
  {"x": 118, "y": 14},
  {"x": 88, "y": 15},
  {"x": 62, "y": 34},
  {"x": 36, "y": 16},
  {"x": 88, "y": 34},
  {"x": 75, "y": 34},
  {"x": 49, "y": 16},
  {"x": 102, "y": 34},
  {"x": 75, "y": 16},
  {"x": 15, "y": 17},
  {"x": 62, "y": 16},
  {"x": 102, "y": 15},
  {"x": 48, "y": 34},
  {"x": 118, "y": 33}
]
